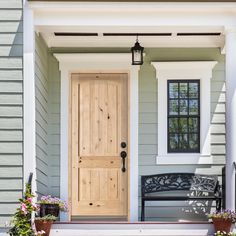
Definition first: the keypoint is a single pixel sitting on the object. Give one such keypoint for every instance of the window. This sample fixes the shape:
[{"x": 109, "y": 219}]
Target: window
[
  {"x": 183, "y": 116},
  {"x": 199, "y": 72}
]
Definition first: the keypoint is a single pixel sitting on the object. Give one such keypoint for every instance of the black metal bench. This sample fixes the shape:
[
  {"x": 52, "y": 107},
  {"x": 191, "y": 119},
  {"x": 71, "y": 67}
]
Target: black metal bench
[{"x": 197, "y": 187}]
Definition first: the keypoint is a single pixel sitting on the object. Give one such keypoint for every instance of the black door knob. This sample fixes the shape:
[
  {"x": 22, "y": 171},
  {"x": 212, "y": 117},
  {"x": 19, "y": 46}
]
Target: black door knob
[
  {"x": 123, "y": 154},
  {"x": 123, "y": 145}
]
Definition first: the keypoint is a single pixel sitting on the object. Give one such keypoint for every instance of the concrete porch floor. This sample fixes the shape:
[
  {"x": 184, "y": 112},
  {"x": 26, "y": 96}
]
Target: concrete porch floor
[{"x": 132, "y": 229}]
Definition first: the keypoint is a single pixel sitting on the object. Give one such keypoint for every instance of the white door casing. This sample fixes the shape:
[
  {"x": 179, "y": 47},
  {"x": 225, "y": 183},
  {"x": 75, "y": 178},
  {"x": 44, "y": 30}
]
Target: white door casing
[{"x": 99, "y": 63}]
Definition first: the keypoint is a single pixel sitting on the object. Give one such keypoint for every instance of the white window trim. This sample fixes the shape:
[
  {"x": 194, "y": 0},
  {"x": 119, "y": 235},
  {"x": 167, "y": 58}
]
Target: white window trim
[
  {"x": 99, "y": 63},
  {"x": 190, "y": 70}
]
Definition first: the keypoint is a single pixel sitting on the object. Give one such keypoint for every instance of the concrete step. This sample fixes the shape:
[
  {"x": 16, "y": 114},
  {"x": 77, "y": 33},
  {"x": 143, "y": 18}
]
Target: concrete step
[{"x": 132, "y": 229}]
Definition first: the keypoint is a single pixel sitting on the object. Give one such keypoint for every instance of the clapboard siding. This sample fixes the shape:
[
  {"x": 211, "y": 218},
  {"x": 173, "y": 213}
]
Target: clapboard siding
[
  {"x": 10, "y": 15},
  {"x": 148, "y": 121},
  {"x": 10, "y": 172},
  {"x": 11, "y": 184},
  {"x": 54, "y": 126},
  {"x": 10, "y": 196},
  {"x": 11, "y": 99},
  {"x": 41, "y": 101},
  {"x": 11, "y": 159},
  {"x": 11, "y": 107},
  {"x": 11, "y": 111},
  {"x": 47, "y": 120},
  {"x": 6, "y": 4},
  {"x": 148, "y": 127},
  {"x": 11, "y": 51},
  {"x": 11, "y": 87},
  {"x": 11, "y": 75}
]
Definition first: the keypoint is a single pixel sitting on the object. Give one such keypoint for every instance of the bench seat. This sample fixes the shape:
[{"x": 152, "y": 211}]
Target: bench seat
[
  {"x": 196, "y": 187},
  {"x": 179, "y": 198}
]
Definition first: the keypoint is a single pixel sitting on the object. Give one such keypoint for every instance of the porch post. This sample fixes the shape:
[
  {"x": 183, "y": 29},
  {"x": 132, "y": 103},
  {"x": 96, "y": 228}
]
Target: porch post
[
  {"x": 29, "y": 96},
  {"x": 230, "y": 46}
]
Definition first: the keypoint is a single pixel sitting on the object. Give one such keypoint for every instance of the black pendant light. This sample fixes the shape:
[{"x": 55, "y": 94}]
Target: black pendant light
[{"x": 137, "y": 53}]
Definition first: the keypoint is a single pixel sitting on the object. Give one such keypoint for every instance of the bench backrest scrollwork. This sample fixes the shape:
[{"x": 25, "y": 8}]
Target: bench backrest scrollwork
[{"x": 179, "y": 181}]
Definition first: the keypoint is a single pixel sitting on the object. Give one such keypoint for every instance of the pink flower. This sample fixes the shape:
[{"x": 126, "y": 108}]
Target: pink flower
[
  {"x": 35, "y": 206},
  {"x": 29, "y": 199},
  {"x": 24, "y": 208}
]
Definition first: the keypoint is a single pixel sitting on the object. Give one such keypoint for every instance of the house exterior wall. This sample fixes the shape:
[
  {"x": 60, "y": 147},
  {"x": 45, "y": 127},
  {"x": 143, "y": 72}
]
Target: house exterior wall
[
  {"x": 54, "y": 126},
  {"x": 47, "y": 116},
  {"x": 41, "y": 103},
  {"x": 11, "y": 107},
  {"x": 166, "y": 211},
  {"x": 148, "y": 124}
]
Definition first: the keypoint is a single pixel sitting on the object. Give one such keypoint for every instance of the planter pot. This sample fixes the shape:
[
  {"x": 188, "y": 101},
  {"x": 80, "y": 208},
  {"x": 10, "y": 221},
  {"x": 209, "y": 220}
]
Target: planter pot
[
  {"x": 49, "y": 209},
  {"x": 222, "y": 225},
  {"x": 43, "y": 225}
]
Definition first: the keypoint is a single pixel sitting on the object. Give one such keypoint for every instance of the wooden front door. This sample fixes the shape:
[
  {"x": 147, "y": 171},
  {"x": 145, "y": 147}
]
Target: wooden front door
[{"x": 99, "y": 119}]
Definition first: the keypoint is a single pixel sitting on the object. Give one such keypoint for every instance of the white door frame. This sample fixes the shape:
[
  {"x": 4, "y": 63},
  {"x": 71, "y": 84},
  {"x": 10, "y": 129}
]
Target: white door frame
[{"x": 99, "y": 63}]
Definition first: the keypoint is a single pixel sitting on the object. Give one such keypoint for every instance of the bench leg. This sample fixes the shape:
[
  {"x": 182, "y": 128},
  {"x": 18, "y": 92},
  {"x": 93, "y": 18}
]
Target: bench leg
[
  {"x": 218, "y": 204},
  {"x": 143, "y": 210}
]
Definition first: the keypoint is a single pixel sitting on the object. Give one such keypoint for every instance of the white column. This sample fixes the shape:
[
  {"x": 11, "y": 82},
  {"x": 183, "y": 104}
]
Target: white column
[
  {"x": 134, "y": 123},
  {"x": 64, "y": 165},
  {"x": 29, "y": 96},
  {"x": 230, "y": 116}
]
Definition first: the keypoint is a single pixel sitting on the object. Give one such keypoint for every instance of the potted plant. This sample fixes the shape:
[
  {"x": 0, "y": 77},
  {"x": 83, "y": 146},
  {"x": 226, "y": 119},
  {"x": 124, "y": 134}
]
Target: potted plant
[
  {"x": 223, "y": 233},
  {"x": 43, "y": 224},
  {"x": 51, "y": 206},
  {"x": 223, "y": 220}
]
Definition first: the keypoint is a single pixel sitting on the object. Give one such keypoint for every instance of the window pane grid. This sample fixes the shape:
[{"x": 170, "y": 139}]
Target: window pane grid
[{"x": 184, "y": 116}]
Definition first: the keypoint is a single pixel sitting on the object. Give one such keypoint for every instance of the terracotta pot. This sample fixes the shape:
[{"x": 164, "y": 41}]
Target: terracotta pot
[
  {"x": 49, "y": 209},
  {"x": 222, "y": 224},
  {"x": 44, "y": 225}
]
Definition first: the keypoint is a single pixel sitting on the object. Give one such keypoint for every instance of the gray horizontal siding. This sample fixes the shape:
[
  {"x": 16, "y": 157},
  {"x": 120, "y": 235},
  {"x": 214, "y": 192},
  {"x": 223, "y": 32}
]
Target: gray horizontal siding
[
  {"x": 10, "y": 15},
  {"x": 11, "y": 107},
  {"x": 148, "y": 128},
  {"x": 10, "y": 27},
  {"x": 11, "y": 159},
  {"x": 6, "y": 4},
  {"x": 11, "y": 123},
  {"x": 54, "y": 126},
  {"x": 41, "y": 96}
]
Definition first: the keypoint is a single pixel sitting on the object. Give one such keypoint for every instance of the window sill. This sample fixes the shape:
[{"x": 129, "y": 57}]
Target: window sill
[{"x": 184, "y": 159}]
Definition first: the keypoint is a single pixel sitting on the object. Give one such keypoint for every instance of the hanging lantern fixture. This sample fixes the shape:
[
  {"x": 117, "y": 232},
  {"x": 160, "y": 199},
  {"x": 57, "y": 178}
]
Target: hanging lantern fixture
[{"x": 137, "y": 53}]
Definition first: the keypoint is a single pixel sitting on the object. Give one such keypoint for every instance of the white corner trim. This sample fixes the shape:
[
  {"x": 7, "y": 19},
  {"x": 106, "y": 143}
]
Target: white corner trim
[
  {"x": 99, "y": 63},
  {"x": 29, "y": 96},
  {"x": 201, "y": 70}
]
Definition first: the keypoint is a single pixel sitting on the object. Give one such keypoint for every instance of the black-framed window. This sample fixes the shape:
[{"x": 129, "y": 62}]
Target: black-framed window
[{"x": 183, "y": 116}]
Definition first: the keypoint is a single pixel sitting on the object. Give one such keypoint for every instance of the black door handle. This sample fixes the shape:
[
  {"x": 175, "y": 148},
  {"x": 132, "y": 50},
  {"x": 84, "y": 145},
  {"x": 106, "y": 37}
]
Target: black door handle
[{"x": 123, "y": 155}]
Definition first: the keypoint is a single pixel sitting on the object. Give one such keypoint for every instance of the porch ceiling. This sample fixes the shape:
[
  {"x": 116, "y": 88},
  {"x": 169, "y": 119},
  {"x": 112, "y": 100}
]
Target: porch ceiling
[
  {"x": 194, "y": 36},
  {"x": 141, "y": 17}
]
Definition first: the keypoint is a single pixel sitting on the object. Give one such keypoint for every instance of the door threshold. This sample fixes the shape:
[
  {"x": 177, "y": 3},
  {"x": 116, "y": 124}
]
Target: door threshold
[
  {"x": 125, "y": 222},
  {"x": 98, "y": 219}
]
